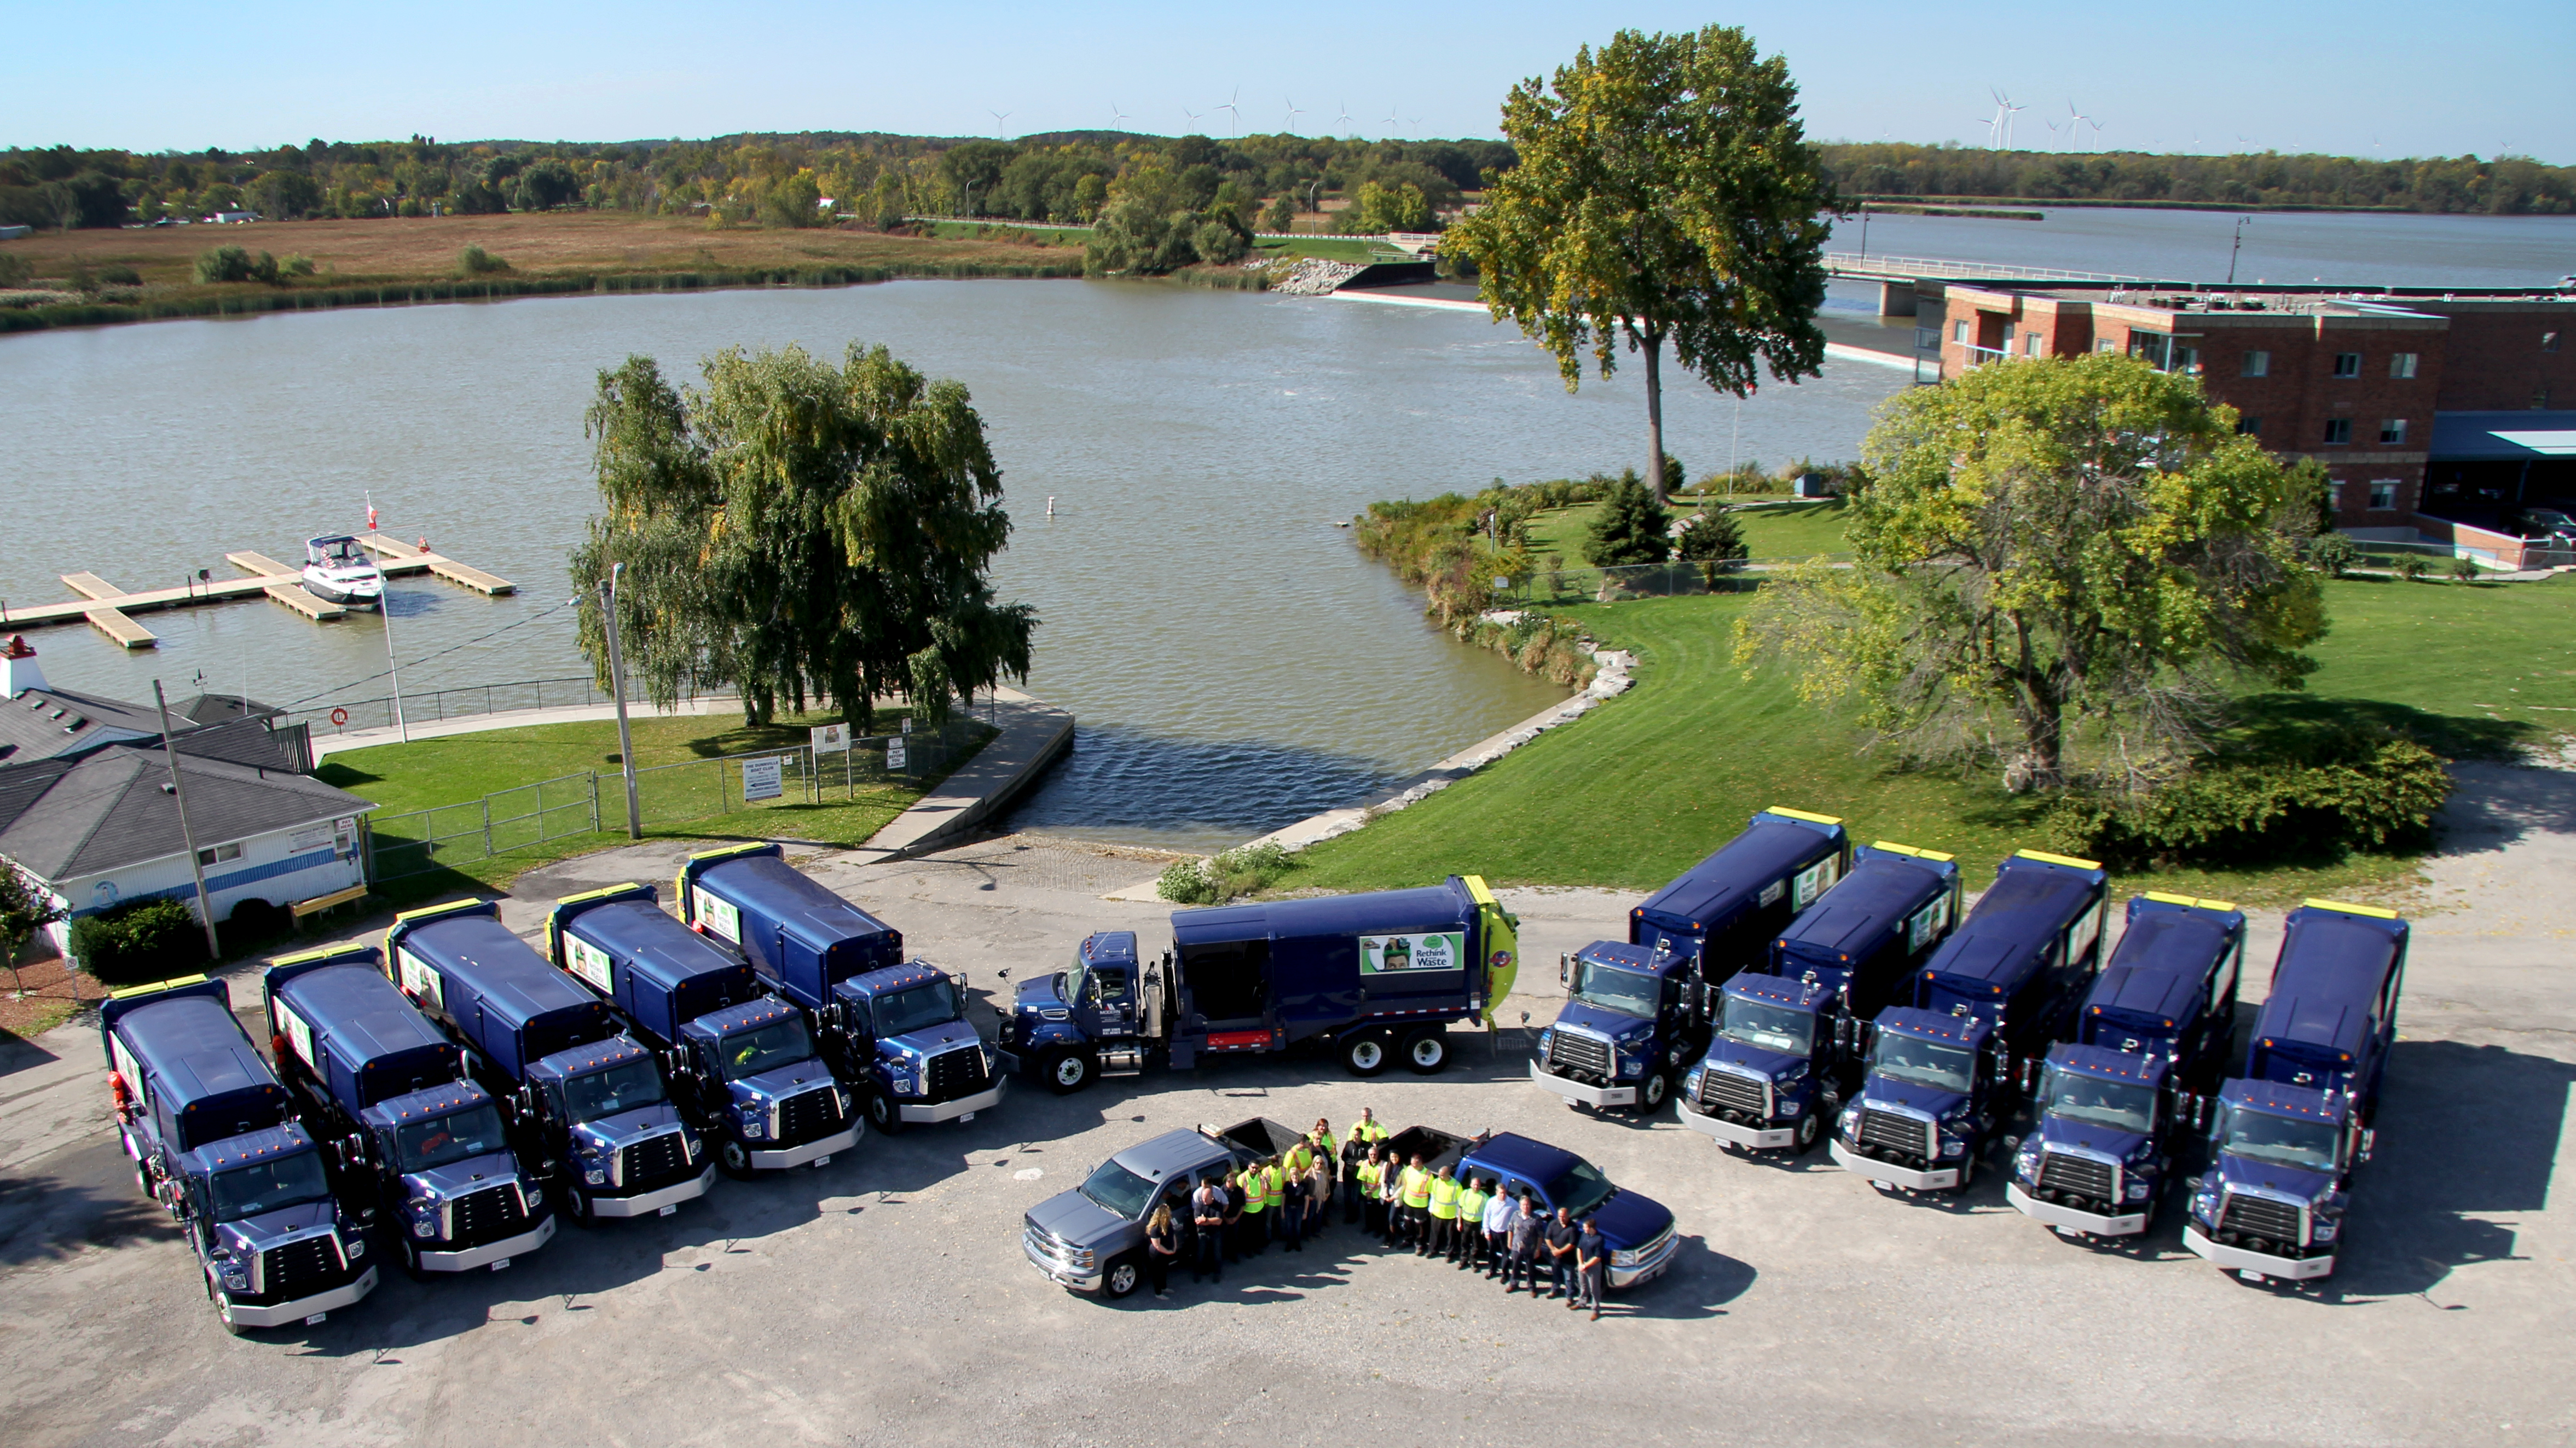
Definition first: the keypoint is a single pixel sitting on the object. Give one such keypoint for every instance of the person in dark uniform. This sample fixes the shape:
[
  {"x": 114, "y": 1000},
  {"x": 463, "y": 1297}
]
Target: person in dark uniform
[
  {"x": 1207, "y": 1214},
  {"x": 1558, "y": 1243},
  {"x": 1591, "y": 1266},
  {"x": 1521, "y": 1250},
  {"x": 1235, "y": 1230},
  {"x": 1162, "y": 1248}
]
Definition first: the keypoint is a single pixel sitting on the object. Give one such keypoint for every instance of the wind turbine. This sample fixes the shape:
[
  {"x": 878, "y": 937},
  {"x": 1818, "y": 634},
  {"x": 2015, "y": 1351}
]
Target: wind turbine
[
  {"x": 1390, "y": 120},
  {"x": 1233, "y": 117},
  {"x": 1344, "y": 118},
  {"x": 1290, "y": 124},
  {"x": 1193, "y": 115},
  {"x": 998, "y": 118},
  {"x": 2009, "y": 111},
  {"x": 1118, "y": 118}
]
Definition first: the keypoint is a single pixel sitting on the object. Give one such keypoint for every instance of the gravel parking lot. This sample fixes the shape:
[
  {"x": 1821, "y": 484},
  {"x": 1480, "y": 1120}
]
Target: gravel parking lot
[{"x": 885, "y": 1299}]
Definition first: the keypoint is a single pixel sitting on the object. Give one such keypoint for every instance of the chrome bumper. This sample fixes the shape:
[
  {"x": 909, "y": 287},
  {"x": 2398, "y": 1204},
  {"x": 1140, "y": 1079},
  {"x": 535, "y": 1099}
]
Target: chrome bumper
[
  {"x": 1589, "y": 1095},
  {"x": 490, "y": 1252},
  {"x": 649, "y": 1203},
  {"x": 951, "y": 1110},
  {"x": 1057, "y": 1271},
  {"x": 2128, "y": 1224},
  {"x": 1648, "y": 1270},
  {"x": 1755, "y": 1137},
  {"x": 2237, "y": 1259},
  {"x": 786, "y": 1157},
  {"x": 278, "y": 1314},
  {"x": 1895, "y": 1176}
]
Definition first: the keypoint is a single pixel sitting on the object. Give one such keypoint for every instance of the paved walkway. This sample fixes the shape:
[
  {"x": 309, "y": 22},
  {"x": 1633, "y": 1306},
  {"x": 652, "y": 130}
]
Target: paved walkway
[
  {"x": 1033, "y": 733},
  {"x": 326, "y": 745}
]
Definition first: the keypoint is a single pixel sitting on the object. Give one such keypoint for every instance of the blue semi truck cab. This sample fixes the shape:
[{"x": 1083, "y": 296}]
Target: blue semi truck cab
[
  {"x": 590, "y": 1101},
  {"x": 207, "y": 1126},
  {"x": 2117, "y": 1102},
  {"x": 744, "y": 1068},
  {"x": 2290, "y": 1131},
  {"x": 1638, "y": 1014},
  {"x": 1374, "y": 978},
  {"x": 1946, "y": 1071},
  {"x": 895, "y": 1029},
  {"x": 1785, "y": 1051},
  {"x": 424, "y": 1147}
]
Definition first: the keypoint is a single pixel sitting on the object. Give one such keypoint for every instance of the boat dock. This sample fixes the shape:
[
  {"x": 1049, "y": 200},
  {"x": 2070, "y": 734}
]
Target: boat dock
[{"x": 110, "y": 609}]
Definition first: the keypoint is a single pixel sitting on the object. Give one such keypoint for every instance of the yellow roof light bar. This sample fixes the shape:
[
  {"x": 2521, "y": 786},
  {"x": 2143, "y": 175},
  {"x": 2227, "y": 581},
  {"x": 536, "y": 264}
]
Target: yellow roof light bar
[
  {"x": 2045, "y": 858},
  {"x": 1891, "y": 845},
  {"x": 2373, "y": 911},
  {"x": 1799, "y": 814}
]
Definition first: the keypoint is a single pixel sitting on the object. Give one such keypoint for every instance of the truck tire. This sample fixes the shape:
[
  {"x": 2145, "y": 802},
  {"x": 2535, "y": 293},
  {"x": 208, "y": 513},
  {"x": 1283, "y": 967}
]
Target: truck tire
[
  {"x": 577, "y": 1207},
  {"x": 884, "y": 1115},
  {"x": 409, "y": 1254},
  {"x": 1069, "y": 1071},
  {"x": 1366, "y": 1053},
  {"x": 1121, "y": 1277},
  {"x": 1426, "y": 1050},
  {"x": 733, "y": 1159},
  {"x": 1652, "y": 1091},
  {"x": 1808, "y": 1131}
]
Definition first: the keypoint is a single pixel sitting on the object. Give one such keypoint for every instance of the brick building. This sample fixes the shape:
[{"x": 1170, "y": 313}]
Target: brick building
[{"x": 2440, "y": 414}]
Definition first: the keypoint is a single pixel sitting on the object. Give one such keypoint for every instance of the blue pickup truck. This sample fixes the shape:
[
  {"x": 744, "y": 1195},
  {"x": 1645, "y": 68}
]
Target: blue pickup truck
[
  {"x": 2291, "y": 1130},
  {"x": 1786, "y": 1049},
  {"x": 208, "y": 1128},
  {"x": 2119, "y": 1102}
]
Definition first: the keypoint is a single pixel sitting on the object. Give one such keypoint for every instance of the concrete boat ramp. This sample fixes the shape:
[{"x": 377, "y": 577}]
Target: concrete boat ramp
[{"x": 110, "y": 609}]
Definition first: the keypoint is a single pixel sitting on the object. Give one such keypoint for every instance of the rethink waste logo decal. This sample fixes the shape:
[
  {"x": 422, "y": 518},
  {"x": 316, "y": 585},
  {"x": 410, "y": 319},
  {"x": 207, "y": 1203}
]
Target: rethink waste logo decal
[{"x": 1391, "y": 954}]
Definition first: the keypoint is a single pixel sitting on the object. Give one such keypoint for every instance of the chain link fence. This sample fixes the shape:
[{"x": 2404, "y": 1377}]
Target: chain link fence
[{"x": 428, "y": 706}]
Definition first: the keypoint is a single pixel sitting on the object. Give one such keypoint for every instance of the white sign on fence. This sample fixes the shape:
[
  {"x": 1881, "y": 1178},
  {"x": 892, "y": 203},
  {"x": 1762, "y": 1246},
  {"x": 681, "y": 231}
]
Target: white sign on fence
[
  {"x": 760, "y": 780},
  {"x": 894, "y": 756},
  {"x": 831, "y": 738}
]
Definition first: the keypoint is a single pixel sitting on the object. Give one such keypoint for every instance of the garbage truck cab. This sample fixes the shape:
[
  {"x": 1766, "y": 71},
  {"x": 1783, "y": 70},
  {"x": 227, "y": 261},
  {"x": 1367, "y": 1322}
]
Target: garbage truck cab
[
  {"x": 591, "y": 1101},
  {"x": 2290, "y": 1131},
  {"x": 743, "y": 1066},
  {"x": 903, "y": 1029},
  {"x": 1785, "y": 1053},
  {"x": 206, "y": 1124},
  {"x": 423, "y": 1147},
  {"x": 2118, "y": 1102}
]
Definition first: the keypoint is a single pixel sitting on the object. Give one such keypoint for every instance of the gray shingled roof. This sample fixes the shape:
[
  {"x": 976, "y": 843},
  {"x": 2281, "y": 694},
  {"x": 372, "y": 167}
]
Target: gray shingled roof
[
  {"x": 44, "y": 723},
  {"x": 63, "y": 820}
]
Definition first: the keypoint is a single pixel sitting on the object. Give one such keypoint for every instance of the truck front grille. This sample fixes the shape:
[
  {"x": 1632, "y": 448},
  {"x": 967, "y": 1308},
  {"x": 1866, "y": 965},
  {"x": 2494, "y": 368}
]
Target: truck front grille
[
  {"x": 656, "y": 1161},
  {"x": 1724, "y": 1093},
  {"x": 1886, "y": 1131},
  {"x": 957, "y": 1073},
  {"x": 2260, "y": 1217},
  {"x": 488, "y": 1216},
  {"x": 809, "y": 1116},
  {"x": 301, "y": 1268},
  {"x": 1571, "y": 1054},
  {"x": 2078, "y": 1176},
  {"x": 1048, "y": 1244}
]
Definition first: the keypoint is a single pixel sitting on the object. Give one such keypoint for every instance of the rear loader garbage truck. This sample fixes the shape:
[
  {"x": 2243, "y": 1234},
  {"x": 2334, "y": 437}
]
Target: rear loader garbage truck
[
  {"x": 894, "y": 1029},
  {"x": 743, "y": 1066},
  {"x": 590, "y": 1101},
  {"x": 1947, "y": 1070},
  {"x": 2290, "y": 1131},
  {"x": 207, "y": 1126},
  {"x": 1373, "y": 978},
  {"x": 423, "y": 1146},
  {"x": 2119, "y": 1101},
  {"x": 1786, "y": 1053}
]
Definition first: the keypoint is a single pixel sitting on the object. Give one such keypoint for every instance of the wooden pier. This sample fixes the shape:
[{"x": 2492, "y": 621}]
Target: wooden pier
[{"x": 110, "y": 609}]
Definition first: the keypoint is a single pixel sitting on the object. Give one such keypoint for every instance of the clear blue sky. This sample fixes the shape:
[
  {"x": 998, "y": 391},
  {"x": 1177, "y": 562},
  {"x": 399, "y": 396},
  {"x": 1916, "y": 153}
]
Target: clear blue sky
[{"x": 2365, "y": 77}]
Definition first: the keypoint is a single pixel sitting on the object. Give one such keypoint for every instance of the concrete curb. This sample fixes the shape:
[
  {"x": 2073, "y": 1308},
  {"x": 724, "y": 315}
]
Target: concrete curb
[
  {"x": 325, "y": 745},
  {"x": 1033, "y": 733}
]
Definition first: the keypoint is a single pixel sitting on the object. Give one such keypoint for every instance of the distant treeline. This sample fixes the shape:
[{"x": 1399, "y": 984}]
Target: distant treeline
[{"x": 784, "y": 180}]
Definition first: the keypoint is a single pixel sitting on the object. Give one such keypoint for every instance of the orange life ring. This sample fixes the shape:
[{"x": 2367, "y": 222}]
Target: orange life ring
[{"x": 339, "y": 716}]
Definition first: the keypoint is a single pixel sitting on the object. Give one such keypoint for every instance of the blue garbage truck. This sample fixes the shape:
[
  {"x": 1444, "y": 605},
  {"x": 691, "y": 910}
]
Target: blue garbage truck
[
  {"x": 1372, "y": 978},
  {"x": 744, "y": 1068},
  {"x": 1946, "y": 1071},
  {"x": 895, "y": 1029},
  {"x": 2290, "y": 1131},
  {"x": 211, "y": 1133},
  {"x": 1636, "y": 1015},
  {"x": 421, "y": 1145},
  {"x": 1785, "y": 1052},
  {"x": 590, "y": 1101},
  {"x": 2118, "y": 1102}
]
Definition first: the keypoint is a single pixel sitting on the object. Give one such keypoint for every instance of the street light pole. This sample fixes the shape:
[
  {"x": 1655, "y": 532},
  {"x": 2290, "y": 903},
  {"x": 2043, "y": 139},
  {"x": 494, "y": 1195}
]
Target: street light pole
[
  {"x": 385, "y": 606},
  {"x": 187, "y": 836},
  {"x": 617, "y": 683}
]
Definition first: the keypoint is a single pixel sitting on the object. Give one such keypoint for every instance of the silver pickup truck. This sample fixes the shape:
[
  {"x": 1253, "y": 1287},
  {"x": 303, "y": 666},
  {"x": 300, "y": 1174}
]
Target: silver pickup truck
[{"x": 1092, "y": 1238}]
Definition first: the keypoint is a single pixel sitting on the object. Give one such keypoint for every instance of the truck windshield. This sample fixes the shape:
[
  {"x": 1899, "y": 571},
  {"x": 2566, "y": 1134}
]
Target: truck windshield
[
  {"x": 425, "y": 1145},
  {"x": 2119, "y": 1105},
  {"x": 1612, "y": 989},
  {"x": 932, "y": 1003},
  {"x": 266, "y": 1186},
  {"x": 606, "y": 1093},
  {"x": 1119, "y": 1190},
  {"x": 1767, "y": 1026},
  {"x": 1582, "y": 1188},
  {"x": 766, "y": 1048},
  {"x": 2290, "y": 1140},
  {"x": 1925, "y": 1063}
]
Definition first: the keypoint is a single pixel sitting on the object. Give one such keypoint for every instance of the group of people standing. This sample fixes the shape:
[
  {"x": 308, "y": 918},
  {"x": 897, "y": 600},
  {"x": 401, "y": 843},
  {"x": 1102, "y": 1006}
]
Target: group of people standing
[{"x": 1477, "y": 1224}]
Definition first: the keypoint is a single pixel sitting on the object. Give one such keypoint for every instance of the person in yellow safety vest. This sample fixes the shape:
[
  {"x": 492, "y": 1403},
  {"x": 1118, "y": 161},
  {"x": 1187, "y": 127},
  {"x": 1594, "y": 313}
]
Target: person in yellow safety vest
[
  {"x": 1274, "y": 1198},
  {"x": 1444, "y": 1215},
  {"x": 1256, "y": 1232},
  {"x": 1365, "y": 1176},
  {"x": 1468, "y": 1232},
  {"x": 1367, "y": 1127},
  {"x": 1416, "y": 1203}
]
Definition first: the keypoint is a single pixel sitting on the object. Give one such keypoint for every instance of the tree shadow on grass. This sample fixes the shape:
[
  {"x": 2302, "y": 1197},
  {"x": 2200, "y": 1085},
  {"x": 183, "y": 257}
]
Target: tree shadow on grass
[{"x": 2277, "y": 725}]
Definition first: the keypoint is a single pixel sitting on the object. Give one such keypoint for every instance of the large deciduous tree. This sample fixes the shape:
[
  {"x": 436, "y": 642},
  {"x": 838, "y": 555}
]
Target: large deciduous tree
[
  {"x": 2051, "y": 551},
  {"x": 801, "y": 532},
  {"x": 1666, "y": 194}
]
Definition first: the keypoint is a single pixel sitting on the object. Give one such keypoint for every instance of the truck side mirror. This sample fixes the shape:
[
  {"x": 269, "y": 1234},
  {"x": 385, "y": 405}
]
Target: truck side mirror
[
  {"x": 2369, "y": 1141},
  {"x": 1565, "y": 970}
]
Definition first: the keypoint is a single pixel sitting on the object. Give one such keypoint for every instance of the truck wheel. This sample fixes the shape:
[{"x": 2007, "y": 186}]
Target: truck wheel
[
  {"x": 1069, "y": 1071},
  {"x": 1364, "y": 1053},
  {"x": 1807, "y": 1133},
  {"x": 409, "y": 1252},
  {"x": 577, "y": 1207},
  {"x": 223, "y": 1305},
  {"x": 883, "y": 1115},
  {"x": 1121, "y": 1278},
  {"x": 733, "y": 1159},
  {"x": 1426, "y": 1051},
  {"x": 1652, "y": 1091}
]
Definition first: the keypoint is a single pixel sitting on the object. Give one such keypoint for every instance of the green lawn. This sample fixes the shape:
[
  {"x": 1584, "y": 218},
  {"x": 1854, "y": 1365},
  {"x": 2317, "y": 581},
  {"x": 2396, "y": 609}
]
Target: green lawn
[{"x": 1656, "y": 779}]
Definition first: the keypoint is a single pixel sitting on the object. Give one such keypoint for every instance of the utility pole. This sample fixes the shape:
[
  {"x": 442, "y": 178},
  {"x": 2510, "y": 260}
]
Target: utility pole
[
  {"x": 2235, "y": 247},
  {"x": 385, "y": 606},
  {"x": 187, "y": 836},
  {"x": 617, "y": 683}
]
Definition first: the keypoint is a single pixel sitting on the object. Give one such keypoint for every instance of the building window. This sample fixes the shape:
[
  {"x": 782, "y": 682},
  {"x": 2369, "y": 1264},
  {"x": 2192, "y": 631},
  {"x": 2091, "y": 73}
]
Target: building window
[
  {"x": 2258, "y": 364},
  {"x": 2334, "y": 496},
  {"x": 1959, "y": 332},
  {"x": 2338, "y": 430},
  {"x": 2383, "y": 495},
  {"x": 2347, "y": 364},
  {"x": 2105, "y": 344},
  {"x": 2250, "y": 425},
  {"x": 219, "y": 854},
  {"x": 2030, "y": 344},
  {"x": 2401, "y": 365},
  {"x": 2392, "y": 430}
]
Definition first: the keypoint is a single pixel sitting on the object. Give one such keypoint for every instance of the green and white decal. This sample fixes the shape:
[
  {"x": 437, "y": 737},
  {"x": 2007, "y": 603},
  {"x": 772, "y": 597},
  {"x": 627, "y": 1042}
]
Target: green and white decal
[
  {"x": 1397, "y": 954},
  {"x": 419, "y": 979},
  {"x": 718, "y": 914},
  {"x": 589, "y": 962},
  {"x": 297, "y": 1033},
  {"x": 1815, "y": 880}
]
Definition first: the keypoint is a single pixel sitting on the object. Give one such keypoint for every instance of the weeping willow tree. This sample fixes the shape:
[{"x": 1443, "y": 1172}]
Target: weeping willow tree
[{"x": 800, "y": 532}]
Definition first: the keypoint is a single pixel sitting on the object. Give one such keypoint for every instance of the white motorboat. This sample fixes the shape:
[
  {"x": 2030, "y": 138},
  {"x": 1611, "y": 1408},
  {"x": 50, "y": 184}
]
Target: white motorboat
[{"x": 337, "y": 570}]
